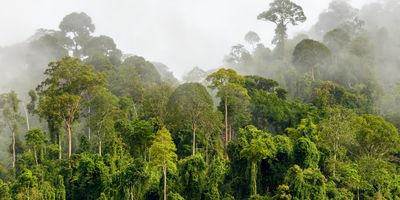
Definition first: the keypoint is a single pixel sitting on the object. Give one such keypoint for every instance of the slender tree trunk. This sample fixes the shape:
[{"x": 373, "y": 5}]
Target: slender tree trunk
[
  {"x": 131, "y": 192},
  {"x": 206, "y": 153},
  {"x": 253, "y": 177},
  {"x": 194, "y": 139},
  {"x": 69, "y": 132},
  {"x": 35, "y": 154},
  {"x": 226, "y": 123},
  {"x": 165, "y": 181},
  {"x": 100, "y": 148},
  {"x": 89, "y": 130},
  {"x": 59, "y": 146},
  {"x": 26, "y": 117},
  {"x": 13, "y": 149}
]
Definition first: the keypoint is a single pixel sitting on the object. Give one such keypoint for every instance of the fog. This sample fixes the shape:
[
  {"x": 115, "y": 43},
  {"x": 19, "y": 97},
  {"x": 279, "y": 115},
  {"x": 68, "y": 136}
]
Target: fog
[{"x": 179, "y": 33}]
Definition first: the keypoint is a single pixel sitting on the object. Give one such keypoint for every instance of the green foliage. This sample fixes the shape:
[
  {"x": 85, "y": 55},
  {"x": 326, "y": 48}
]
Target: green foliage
[
  {"x": 90, "y": 177},
  {"x": 375, "y": 137},
  {"x": 192, "y": 173},
  {"x": 306, "y": 184},
  {"x": 306, "y": 153}
]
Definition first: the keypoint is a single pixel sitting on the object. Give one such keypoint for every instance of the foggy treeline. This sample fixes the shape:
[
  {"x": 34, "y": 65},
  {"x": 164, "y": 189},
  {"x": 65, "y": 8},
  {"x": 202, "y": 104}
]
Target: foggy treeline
[{"x": 313, "y": 116}]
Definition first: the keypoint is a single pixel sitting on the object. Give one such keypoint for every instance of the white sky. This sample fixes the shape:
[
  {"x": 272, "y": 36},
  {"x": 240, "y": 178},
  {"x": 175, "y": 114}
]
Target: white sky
[{"x": 179, "y": 33}]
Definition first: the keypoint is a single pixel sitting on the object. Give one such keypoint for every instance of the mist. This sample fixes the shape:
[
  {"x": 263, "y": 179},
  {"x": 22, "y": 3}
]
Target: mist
[{"x": 159, "y": 31}]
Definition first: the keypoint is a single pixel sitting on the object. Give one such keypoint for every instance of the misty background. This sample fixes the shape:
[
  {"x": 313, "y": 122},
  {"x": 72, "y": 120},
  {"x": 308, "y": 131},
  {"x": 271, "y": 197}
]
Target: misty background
[{"x": 179, "y": 33}]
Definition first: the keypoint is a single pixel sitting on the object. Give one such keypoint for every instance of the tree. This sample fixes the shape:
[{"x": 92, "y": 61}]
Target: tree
[
  {"x": 309, "y": 55},
  {"x": 163, "y": 155},
  {"x": 80, "y": 26},
  {"x": 188, "y": 107},
  {"x": 35, "y": 139},
  {"x": 337, "y": 133},
  {"x": 63, "y": 91},
  {"x": 282, "y": 13},
  {"x": 104, "y": 46},
  {"x": 257, "y": 145},
  {"x": 192, "y": 176},
  {"x": 252, "y": 38},
  {"x": 103, "y": 112},
  {"x": 196, "y": 75},
  {"x": 306, "y": 153},
  {"x": 25, "y": 185},
  {"x": 231, "y": 92},
  {"x": 9, "y": 104},
  {"x": 306, "y": 184},
  {"x": 375, "y": 137},
  {"x": 336, "y": 39},
  {"x": 147, "y": 72},
  {"x": 132, "y": 180}
]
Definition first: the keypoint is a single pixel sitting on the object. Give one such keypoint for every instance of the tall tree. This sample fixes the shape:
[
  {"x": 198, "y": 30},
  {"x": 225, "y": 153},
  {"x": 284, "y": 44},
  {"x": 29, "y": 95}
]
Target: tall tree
[
  {"x": 252, "y": 38},
  {"x": 80, "y": 26},
  {"x": 163, "y": 155},
  {"x": 9, "y": 104},
  {"x": 188, "y": 107},
  {"x": 337, "y": 133},
  {"x": 282, "y": 13},
  {"x": 62, "y": 92},
  {"x": 375, "y": 137},
  {"x": 36, "y": 140},
  {"x": 231, "y": 92},
  {"x": 310, "y": 55},
  {"x": 257, "y": 145}
]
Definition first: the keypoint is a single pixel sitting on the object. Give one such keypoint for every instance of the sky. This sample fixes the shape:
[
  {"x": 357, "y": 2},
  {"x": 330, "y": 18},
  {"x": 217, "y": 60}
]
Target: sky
[{"x": 179, "y": 33}]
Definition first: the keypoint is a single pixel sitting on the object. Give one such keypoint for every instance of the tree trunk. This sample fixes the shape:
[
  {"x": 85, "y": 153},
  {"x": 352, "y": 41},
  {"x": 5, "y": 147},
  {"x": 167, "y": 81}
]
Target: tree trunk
[
  {"x": 131, "y": 192},
  {"x": 89, "y": 130},
  {"x": 100, "y": 148},
  {"x": 194, "y": 139},
  {"x": 226, "y": 123},
  {"x": 13, "y": 149},
  {"x": 165, "y": 181},
  {"x": 59, "y": 146},
  {"x": 35, "y": 154},
  {"x": 69, "y": 132},
  {"x": 206, "y": 153},
  {"x": 26, "y": 117},
  {"x": 253, "y": 177}
]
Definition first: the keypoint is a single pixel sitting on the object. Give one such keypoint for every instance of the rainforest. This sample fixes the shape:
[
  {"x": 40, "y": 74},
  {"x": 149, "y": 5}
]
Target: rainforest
[{"x": 306, "y": 115}]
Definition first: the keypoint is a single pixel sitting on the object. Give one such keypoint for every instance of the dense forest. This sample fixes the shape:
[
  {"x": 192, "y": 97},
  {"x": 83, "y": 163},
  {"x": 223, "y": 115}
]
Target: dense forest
[{"x": 315, "y": 116}]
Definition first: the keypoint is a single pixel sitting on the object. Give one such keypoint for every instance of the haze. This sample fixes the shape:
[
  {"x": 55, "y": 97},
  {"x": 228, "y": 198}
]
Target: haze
[{"x": 179, "y": 33}]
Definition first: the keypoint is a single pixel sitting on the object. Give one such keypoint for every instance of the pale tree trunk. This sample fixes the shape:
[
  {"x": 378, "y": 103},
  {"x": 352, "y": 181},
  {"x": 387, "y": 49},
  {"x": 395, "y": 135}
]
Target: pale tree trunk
[
  {"x": 131, "y": 192},
  {"x": 69, "y": 132},
  {"x": 254, "y": 177},
  {"x": 59, "y": 147},
  {"x": 89, "y": 130},
  {"x": 226, "y": 123},
  {"x": 26, "y": 117},
  {"x": 13, "y": 149},
  {"x": 206, "y": 154},
  {"x": 165, "y": 181},
  {"x": 194, "y": 139},
  {"x": 100, "y": 148}
]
